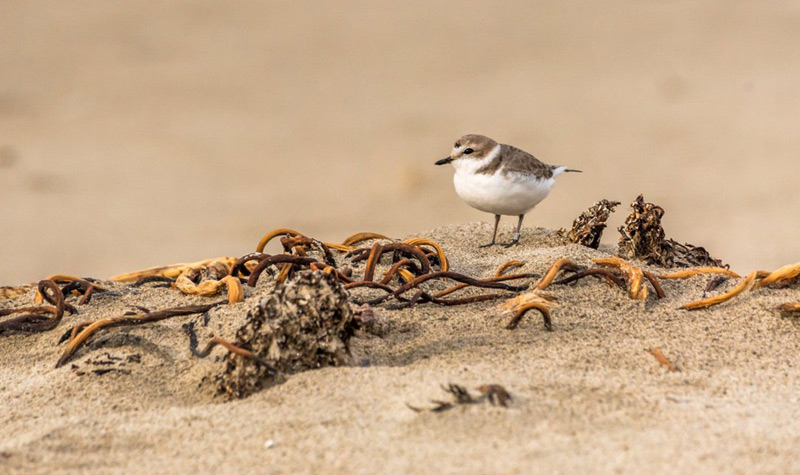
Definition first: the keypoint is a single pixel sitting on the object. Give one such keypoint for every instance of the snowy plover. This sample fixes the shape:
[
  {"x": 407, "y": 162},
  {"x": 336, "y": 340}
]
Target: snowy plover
[{"x": 500, "y": 179}]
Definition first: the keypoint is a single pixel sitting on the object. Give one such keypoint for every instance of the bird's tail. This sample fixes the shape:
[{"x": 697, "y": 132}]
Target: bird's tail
[{"x": 559, "y": 170}]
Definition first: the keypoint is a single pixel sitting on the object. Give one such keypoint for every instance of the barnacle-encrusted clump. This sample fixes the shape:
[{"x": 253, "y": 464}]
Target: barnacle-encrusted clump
[
  {"x": 587, "y": 229},
  {"x": 642, "y": 237},
  {"x": 303, "y": 324}
]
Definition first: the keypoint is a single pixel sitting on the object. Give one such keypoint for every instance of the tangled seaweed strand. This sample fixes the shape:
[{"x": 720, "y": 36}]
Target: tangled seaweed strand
[
  {"x": 37, "y": 319},
  {"x": 785, "y": 276},
  {"x": 81, "y": 332},
  {"x": 614, "y": 270},
  {"x": 415, "y": 261}
]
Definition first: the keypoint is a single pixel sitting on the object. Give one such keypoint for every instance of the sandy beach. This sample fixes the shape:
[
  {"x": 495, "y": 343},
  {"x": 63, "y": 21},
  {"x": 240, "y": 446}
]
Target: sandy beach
[
  {"x": 587, "y": 397},
  {"x": 134, "y": 136},
  {"x": 137, "y": 135}
]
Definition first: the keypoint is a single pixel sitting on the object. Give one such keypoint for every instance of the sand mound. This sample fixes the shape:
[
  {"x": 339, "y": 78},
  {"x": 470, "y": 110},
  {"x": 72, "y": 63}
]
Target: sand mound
[{"x": 589, "y": 396}]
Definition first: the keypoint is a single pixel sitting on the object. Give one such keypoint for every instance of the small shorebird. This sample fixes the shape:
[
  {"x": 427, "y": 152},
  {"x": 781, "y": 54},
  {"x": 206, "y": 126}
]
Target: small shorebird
[{"x": 500, "y": 179}]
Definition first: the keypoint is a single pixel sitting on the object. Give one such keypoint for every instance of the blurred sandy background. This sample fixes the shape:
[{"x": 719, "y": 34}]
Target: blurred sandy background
[{"x": 134, "y": 135}]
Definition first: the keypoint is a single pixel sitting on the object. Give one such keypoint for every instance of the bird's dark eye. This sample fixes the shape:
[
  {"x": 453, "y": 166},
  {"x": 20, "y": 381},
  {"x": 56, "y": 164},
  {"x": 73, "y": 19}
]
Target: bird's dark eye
[{"x": 467, "y": 151}]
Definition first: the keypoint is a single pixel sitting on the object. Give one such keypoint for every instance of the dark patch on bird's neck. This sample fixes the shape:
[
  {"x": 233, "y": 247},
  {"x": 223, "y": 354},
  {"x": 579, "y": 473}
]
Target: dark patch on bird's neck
[{"x": 492, "y": 167}]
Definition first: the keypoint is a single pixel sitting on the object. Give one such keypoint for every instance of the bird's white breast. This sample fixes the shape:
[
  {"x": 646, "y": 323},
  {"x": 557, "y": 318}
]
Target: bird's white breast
[{"x": 505, "y": 194}]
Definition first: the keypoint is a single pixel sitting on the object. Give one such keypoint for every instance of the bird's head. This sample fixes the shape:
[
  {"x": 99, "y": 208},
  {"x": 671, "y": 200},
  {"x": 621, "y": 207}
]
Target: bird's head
[{"x": 470, "y": 147}]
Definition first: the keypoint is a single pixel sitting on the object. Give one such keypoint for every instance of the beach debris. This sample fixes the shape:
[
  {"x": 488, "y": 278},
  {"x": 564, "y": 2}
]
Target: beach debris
[
  {"x": 685, "y": 274},
  {"x": 83, "y": 287},
  {"x": 164, "y": 282},
  {"x": 496, "y": 394},
  {"x": 109, "y": 363},
  {"x": 58, "y": 279},
  {"x": 209, "y": 280},
  {"x": 441, "y": 259},
  {"x": 713, "y": 283},
  {"x": 415, "y": 261},
  {"x": 303, "y": 324},
  {"x": 659, "y": 356},
  {"x": 790, "y": 309},
  {"x": 587, "y": 229},
  {"x": 642, "y": 237},
  {"x": 718, "y": 299},
  {"x": 188, "y": 328},
  {"x": 80, "y": 333},
  {"x": 39, "y": 318},
  {"x": 499, "y": 276},
  {"x": 555, "y": 268},
  {"x": 620, "y": 273},
  {"x": 534, "y": 300},
  {"x": 633, "y": 276},
  {"x": 688, "y": 255},
  {"x": 171, "y": 271},
  {"x": 783, "y": 277},
  {"x": 422, "y": 296}
]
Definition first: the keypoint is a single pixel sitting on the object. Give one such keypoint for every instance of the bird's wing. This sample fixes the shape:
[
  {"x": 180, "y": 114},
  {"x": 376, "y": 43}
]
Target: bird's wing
[{"x": 522, "y": 162}]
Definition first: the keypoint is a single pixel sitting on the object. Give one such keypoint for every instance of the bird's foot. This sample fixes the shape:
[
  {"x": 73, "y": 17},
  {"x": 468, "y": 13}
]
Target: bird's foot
[
  {"x": 487, "y": 245},
  {"x": 513, "y": 242}
]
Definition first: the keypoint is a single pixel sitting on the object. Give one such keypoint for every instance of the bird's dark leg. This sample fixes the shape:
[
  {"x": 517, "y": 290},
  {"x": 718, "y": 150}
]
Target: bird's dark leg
[
  {"x": 494, "y": 236},
  {"x": 518, "y": 234}
]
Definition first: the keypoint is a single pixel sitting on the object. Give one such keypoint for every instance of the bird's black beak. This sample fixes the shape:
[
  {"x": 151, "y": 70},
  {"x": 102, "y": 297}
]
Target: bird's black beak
[{"x": 444, "y": 161}]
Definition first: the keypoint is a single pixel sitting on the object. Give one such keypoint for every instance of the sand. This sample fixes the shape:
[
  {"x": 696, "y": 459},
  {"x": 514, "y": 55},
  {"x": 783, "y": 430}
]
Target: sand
[
  {"x": 587, "y": 397},
  {"x": 135, "y": 135}
]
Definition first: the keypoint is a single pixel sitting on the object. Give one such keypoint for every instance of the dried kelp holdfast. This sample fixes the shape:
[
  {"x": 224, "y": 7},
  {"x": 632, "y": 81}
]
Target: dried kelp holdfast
[
  {"x": 305, "y": 323},
  {"x": 642, "y": 237},
  {"x": 587, "y": 229}
]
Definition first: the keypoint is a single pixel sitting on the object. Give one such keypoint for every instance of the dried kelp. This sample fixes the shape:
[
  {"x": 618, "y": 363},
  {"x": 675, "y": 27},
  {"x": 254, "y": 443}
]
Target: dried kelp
[
  {"x": 791, "y": 309},
  {"x": 614, "y": 270},
  {"x": 785, "y": 276},
  {"x": 662, "y": 360},
  {"x": 496, "y": 394},
  {"x": 80, "y": 333},
  {"x": 37, "y": 319},
  {"x": 208, "y": 281},
  {"x": 642, "y": 237},
  {"x": 687, "y": 255},
  {"x": 587, "y": 229},
  {"x": 521, "y": 304},
  {"x": 304, "y": 324}
]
